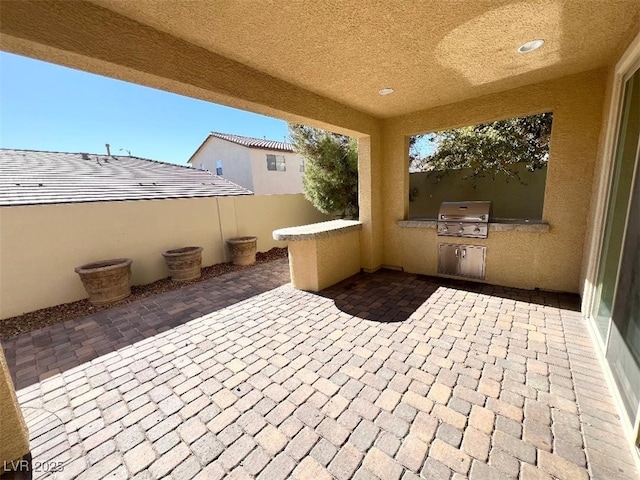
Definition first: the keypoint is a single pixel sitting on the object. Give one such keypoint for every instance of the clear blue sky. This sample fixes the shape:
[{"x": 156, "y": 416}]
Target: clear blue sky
[{"x": 49, "y": 107}]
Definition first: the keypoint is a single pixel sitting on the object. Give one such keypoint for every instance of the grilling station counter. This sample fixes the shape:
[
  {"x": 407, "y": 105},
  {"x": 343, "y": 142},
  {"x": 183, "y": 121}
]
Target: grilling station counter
[
  {"x": 496, "y": 225},
  {"x": 462, "y": 231}
]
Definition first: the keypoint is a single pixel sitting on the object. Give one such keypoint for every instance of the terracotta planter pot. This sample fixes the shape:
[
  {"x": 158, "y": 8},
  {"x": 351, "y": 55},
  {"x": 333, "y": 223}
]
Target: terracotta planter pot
[
  {"x": 106, "y": 281},
  {"x": 184, "y": 263},
  {"x": 243, "y": 250}
]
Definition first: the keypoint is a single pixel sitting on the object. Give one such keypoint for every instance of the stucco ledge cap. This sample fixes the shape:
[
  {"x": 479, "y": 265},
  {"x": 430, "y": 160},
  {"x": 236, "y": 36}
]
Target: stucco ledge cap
[
  {"x": 418, "y": 223},
  {"x": 315, "y": 231},
  {"x": 499, "y": 226}
]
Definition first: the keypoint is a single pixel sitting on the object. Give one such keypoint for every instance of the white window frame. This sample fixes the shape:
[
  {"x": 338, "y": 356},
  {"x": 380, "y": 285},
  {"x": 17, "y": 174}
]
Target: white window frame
[
  {"x": 623, "y": 69},
  {"x": 279, "y": 162}
]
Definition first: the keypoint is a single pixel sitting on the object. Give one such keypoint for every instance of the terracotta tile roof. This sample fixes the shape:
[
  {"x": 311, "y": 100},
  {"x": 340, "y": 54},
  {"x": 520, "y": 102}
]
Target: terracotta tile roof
[
  {"x": 30, "y": 177},
  {"x": 254, "y": 142}
]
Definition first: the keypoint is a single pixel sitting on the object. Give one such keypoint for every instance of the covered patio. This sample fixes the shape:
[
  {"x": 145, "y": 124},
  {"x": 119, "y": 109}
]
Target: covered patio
[{"x": 385, "y": 375}]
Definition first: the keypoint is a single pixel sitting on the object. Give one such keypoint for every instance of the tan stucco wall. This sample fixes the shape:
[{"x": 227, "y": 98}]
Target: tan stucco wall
[
  {"x": 269, "y": 182},
  {"x": 262, "y": 215},
  {"x": 591, "y": 244},
  {"x": 303, "y": 265},
  {"x": 41, "y": 245},
  {"x": 370, "y": 201},
  {"x": 338, "y": 258},
  {"x": 509, "y": 198},
  {"x": 551, "y": 260},
  {"x": 319, "y": 263},
  {"x": 14, "y": 436}
]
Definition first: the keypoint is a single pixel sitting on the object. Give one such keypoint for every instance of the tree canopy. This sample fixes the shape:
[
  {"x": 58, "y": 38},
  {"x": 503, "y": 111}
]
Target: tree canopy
[
  {"x": 486, "y": 149},
  {"x": 330, "y": 179}
]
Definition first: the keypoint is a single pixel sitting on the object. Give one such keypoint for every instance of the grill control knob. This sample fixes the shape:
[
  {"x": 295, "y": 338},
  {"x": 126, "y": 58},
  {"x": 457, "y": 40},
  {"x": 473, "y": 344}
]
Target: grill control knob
[
  {"x": 477, "y": 229},
  {"x": 461, "y": 229},
  {"x": 445, "y": 229}
]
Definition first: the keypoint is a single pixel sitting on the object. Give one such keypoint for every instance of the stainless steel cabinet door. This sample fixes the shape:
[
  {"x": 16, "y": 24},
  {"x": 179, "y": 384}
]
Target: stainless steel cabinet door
[
  {"x": 461, "y": 260},
  {"x": 472, "y": 261},
  {"x": 448, "y": 258}
]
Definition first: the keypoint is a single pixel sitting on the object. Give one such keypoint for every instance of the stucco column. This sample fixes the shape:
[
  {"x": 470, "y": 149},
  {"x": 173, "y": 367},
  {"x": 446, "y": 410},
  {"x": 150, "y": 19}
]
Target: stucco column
[
  {"x": 370, "y": 201},
  {"x": 14, "y": 436}
]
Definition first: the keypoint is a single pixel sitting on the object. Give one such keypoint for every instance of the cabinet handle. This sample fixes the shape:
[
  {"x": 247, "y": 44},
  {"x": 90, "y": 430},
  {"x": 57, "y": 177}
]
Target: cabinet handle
[
  {"x": 464, "y": 253},
  {"x": 457, "y": 252}
]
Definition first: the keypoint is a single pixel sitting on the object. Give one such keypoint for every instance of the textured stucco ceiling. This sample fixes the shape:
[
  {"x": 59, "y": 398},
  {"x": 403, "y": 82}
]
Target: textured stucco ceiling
[{"x": 431, "y": 52}]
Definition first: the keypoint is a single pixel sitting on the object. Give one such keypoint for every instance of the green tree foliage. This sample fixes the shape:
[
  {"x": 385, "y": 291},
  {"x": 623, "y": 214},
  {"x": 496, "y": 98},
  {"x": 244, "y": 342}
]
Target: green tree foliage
[
  {"x": 487, "y": 149},
  {"x": 331, "y": 169}
]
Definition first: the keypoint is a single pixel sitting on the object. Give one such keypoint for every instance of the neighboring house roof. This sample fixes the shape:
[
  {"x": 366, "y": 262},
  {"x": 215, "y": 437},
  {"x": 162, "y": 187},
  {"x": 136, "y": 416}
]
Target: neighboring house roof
[
  {"x": 254, "y": 142},
  {"x": 29, "y": 177},
  {"x": 248, "y": 142}
]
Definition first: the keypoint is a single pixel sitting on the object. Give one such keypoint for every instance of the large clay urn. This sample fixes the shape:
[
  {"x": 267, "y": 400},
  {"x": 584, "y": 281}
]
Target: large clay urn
[
  {"x": 243, "y": 250},
  {"x": 106, "y": 281},
  {"x": 184, "y": 263}
]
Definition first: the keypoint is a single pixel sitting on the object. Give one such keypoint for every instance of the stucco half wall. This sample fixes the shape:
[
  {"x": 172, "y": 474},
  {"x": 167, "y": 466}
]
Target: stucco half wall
[
  {"x": 41, "y": 245},
  {"x": 319, "y": 263},
  {"x": 549, "y": 260}
]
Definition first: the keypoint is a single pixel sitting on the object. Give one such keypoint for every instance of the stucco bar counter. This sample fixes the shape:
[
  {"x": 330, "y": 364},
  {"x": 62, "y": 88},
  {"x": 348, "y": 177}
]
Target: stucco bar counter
[{"x": 322, "y": 254}]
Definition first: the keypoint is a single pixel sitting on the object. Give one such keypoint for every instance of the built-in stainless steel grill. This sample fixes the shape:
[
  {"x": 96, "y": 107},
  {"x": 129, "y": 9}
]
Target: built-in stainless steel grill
[{"x": 464, "y": 219}]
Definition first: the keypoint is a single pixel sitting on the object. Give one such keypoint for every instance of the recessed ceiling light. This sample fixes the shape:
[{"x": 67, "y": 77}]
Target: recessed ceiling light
[
  {"x": 385, "y": 91},
  {"x": 530, "y": 46}
]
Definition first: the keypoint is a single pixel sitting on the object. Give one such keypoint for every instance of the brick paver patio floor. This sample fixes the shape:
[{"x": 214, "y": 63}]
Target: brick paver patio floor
[{"x": 386, "y": 375}]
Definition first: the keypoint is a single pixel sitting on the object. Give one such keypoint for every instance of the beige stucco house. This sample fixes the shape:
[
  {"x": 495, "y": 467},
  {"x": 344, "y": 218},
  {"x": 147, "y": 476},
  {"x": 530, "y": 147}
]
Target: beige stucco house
[
  {"x": 265, "y": 167},
  {"x": 448, "y": 64}
]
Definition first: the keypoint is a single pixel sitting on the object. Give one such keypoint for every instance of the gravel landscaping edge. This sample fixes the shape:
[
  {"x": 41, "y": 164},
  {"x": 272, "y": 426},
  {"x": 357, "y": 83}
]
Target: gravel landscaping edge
[{"x": 31, "y": 321}]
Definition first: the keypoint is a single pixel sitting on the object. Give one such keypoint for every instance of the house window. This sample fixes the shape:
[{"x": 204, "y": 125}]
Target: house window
[
  {"x": 276, "y": 163},
  {"x": 302, "y": 166},
  {"x": 219, "y": 167},
  {"x": 202, "y": 166}
]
